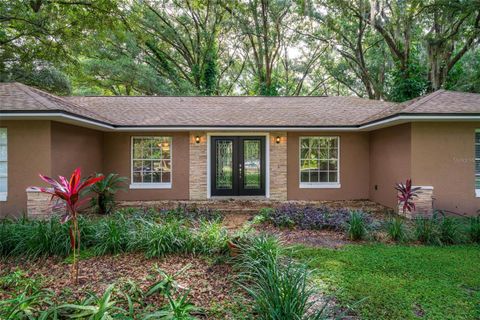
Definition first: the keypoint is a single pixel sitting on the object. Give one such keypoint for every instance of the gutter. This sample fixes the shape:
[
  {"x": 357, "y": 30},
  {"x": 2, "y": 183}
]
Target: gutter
[{"x": 68, "y": 117}]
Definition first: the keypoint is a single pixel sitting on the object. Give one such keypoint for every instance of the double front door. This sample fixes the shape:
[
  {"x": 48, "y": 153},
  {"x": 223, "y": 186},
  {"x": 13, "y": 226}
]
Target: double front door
[{"x": 238, "y": 166}]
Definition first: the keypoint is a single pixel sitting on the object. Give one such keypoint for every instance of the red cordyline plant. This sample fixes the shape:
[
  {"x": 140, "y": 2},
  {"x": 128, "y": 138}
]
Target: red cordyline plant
[
  {"x": 69, "y": 192},
  {"x": 406, "y": 195}
]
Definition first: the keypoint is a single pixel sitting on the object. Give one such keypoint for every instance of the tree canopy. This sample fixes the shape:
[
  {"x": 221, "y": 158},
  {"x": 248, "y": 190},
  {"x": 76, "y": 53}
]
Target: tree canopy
[{"x": 379, "y": 49}]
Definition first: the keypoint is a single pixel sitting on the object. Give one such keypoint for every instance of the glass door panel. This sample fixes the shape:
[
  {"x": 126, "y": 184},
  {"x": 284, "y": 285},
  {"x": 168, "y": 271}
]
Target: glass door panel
[
  {"x": 224, "y": 164},
  {"x": 252, "y": 164}
]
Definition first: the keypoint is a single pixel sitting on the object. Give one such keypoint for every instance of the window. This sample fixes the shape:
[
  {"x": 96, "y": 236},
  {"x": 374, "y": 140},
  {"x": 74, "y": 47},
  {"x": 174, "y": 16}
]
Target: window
[
  {"x": 477, "y": 163},
  {"x": 3, "y": 164},
  {"x": 151, "y": 162},
  {"x": 319, "y": 162}
]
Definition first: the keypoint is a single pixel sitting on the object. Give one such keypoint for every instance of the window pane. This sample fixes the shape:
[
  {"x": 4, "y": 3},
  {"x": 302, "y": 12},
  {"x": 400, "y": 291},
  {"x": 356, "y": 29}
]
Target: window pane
[
  {"x": 151, "y": 157},
  {"x": 319, "y": 159},
  {"x": 166, "y": 177},
  {"x": 323, "y": 165},
  {"x": 323, "y": 176},
  {"x": 332, "y": 165},
  {"x": 3, "y": 153},
  {"x": 332, "y": 177},
  {"x": 3, "y": 136},
  {"x": 137, "y": 177},
  {"x": 3, "y": 184},
  {"x": 304, "y": 176},
  {"x": 3, "y": 169},
  {"x": 156, "y": 177}
]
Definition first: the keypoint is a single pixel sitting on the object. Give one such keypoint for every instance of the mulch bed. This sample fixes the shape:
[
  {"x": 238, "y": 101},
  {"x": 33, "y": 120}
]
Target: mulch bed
[
  {"x": 315, "y": 238},
  {"x": 209, "y": 283}
]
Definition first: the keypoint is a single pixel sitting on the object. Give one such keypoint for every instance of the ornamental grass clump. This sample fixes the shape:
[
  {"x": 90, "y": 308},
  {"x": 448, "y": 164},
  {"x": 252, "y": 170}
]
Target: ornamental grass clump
[
  {"x": 450, "y": 230},
  {"x": 356, "y": 226},
  {"x": 279, "y": 287},
  {"x": 427, "y": 231},
  {"x": 112, "y": 235},
  {"x": 474, "y": 229},
  {"x": 397, "y": 230}
]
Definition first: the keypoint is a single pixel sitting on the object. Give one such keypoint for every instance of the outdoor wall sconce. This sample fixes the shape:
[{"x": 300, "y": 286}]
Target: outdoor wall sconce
[
  {"x": 277, "y": 139},
  {"x": 197, "y": 139}
]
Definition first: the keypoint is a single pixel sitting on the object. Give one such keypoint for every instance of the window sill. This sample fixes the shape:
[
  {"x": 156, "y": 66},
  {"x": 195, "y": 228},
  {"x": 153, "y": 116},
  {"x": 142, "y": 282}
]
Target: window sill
[
  {"x": 3, "y": 196},
  {"x": 477, "y": 193},
  {"x": 320, "y": 185},
  {"x": 151, "y": 186}
]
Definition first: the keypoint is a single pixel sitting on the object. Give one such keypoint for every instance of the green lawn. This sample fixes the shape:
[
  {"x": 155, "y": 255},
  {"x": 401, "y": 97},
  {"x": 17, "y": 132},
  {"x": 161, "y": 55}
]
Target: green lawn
[{"x": 401, "y": 282}]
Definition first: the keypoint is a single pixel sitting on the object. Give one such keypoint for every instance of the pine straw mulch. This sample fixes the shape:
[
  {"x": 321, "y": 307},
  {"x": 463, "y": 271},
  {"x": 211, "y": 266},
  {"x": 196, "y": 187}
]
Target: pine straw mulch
[{"x": 209, "y": 283}]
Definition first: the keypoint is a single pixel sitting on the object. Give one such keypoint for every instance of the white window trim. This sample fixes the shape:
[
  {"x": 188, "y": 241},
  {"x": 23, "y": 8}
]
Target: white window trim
[
  {"x": 156, "y": 185},
  {"x": 318, "y": 185},
  {"x": 4, "y": 195}
]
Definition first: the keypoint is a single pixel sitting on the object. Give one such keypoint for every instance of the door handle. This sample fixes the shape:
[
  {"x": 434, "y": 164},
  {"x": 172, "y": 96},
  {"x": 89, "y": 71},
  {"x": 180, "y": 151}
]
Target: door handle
[{"x": 240, "y": 170}]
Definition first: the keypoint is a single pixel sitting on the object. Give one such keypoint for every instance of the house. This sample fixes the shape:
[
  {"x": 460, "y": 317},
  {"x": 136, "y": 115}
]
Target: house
[{"x": 273, "y": 148}]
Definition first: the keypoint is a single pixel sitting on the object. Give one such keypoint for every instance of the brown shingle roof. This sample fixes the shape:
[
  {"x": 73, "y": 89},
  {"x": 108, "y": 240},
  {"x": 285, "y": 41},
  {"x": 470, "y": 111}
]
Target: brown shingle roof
[
  {"x": 16, "y": 96},
  {"x": 232, "y": 111}
]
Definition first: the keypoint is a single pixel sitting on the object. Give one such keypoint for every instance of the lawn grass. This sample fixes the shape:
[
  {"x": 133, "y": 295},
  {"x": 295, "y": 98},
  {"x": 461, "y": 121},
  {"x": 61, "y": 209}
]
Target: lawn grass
[{"x": 401, "y": 282}]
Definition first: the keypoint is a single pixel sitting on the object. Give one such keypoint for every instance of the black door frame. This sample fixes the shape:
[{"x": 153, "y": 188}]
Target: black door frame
[{"x": 237, "y": 162}]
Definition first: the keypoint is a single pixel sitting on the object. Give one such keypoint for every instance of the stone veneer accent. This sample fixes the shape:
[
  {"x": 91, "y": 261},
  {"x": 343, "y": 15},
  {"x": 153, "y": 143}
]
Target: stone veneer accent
[
  {"x": 40, "y": 206},
  {"x": 423, "y": 204},
  {"x": 198, "y": 166},
  {"x": 278, "y": 166}
]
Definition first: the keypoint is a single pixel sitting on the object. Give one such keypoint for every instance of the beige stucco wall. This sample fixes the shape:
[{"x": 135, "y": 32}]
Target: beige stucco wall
[
  {"x": 443, "y": 157},
  {"x": 28, "y": 155},
  {"x": 354, "y": 168},
  {"x": 74, "y": 147},
  {"x": 390, "y": 162},
  {"x": 117, "y": 158}
]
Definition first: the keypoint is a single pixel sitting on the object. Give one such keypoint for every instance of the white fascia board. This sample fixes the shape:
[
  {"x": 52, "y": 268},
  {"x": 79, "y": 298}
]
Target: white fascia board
[{"x": 105, "y": 127}]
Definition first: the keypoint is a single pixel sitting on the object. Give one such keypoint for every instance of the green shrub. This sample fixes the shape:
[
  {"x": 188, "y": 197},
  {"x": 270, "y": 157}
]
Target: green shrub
[
  {"x": 449, "y": 229},
  {"x": 210, "y": 238},
  {"x": 427, "y": 231},
  {"x": 160, "y": 239},
  {"x": 104, "y": 191},
  {"x": 474, "y": 229},
  {"x": 111, "y": 235},
  {"x": 356, "y": 226},
  {"x": 397, "y": 230},
  {"x": 278, "y": 286}
]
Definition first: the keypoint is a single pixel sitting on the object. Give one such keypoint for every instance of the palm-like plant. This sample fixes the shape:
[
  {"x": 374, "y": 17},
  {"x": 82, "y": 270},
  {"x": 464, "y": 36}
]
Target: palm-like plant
[
  {"x": 406, "y": 195},
  {"x": 105, "y": 191},
  {"x": 69, "y": 191}
]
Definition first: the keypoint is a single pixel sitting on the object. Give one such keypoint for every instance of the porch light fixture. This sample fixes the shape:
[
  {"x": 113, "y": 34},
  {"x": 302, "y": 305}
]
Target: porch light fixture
[
  {"x": 277, "y": 139},
  {"x": 197, "y": 139}
]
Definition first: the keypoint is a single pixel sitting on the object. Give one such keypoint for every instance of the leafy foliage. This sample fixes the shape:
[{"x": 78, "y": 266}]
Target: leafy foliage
[
  {"x": 105, "y": 190},
  {"x": 406, "y": 195},
  {"x": 397, "y": 230},
  {"x": 474, "y": 229},
  {"x": 278, "y": 287},
  {"x": 356, "y": 226},
  {"x": 315, "y": 218}
]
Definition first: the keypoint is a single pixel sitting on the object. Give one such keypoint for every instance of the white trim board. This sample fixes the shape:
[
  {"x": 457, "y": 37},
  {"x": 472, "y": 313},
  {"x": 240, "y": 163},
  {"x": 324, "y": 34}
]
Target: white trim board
[{"x": 72, "y": 119}]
